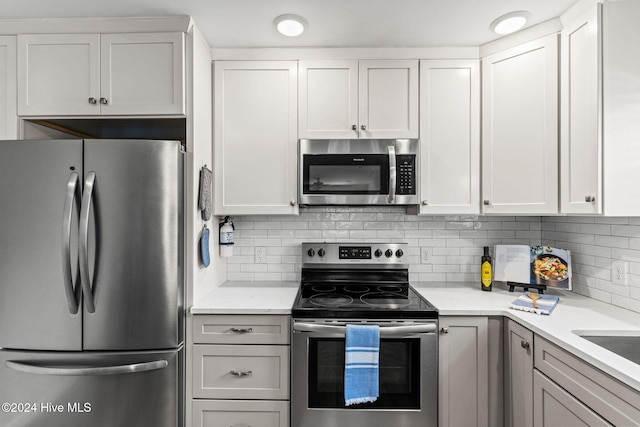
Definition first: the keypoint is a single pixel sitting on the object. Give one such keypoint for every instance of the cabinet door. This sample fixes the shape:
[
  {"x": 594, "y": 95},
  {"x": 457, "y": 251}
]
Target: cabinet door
[
  {"x": 58, "y": 74},
  {"x": 464, "y": 371},
  {"x": 621, "y": 107},
  {"x": 328, "y": 99},
  {"x": 8, "y": 118},
  {"x": 580, "y": 119},
  {"x": 450, "y": 137},
  {"x": 554, "y": 407},
  {"x": 142, "y": 73},
  {"x": 520, "y": 129},
  {"x": 388, "y": 99},
  {"x": 518, "y": 375},
  {"x": 255, "y": 137}
]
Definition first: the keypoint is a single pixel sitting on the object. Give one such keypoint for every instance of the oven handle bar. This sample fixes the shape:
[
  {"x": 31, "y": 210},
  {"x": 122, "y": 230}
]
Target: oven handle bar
[{"x": 385, "y": 331}]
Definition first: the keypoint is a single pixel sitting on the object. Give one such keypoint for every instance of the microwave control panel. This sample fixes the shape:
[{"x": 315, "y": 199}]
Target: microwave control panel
[{"x": 406, "y": 174}]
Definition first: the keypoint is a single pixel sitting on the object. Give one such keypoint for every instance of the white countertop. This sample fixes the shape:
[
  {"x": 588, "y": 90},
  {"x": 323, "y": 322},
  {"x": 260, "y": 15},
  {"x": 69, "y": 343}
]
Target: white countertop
[
  {"x": 249, "y": 298},
  {"x": 573, "y": 313}
]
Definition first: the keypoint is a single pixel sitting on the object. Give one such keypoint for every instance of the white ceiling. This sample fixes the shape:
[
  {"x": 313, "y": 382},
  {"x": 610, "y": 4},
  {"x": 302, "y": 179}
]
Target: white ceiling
[{"x": 332, "y": 23}]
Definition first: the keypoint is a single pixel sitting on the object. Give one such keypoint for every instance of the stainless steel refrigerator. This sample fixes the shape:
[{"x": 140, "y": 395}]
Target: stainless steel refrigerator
[{"x": 91, "y": 283}]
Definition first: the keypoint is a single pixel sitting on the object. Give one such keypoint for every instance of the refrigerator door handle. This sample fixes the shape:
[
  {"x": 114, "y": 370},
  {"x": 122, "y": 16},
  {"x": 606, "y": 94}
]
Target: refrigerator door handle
[
  {"x": 87, "y": 371},
  {"x": 73, "y": 195},
  {"x": 83, "y": 246}
]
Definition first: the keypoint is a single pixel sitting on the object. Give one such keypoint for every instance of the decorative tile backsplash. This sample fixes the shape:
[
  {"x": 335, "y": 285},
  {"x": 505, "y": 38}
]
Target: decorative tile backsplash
[{"x": 442, "y": 248}]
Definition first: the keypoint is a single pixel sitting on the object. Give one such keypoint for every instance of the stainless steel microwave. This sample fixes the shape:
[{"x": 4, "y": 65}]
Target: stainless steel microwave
[{"x": 358, "y": 172}]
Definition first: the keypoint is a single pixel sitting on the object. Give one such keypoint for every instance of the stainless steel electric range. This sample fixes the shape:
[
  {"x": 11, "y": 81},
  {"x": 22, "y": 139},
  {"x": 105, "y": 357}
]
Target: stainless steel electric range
[{"x": 363, "y": 283}]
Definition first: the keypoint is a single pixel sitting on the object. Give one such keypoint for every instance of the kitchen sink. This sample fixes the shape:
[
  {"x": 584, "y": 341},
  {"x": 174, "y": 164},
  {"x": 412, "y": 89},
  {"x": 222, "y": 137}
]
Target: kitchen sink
[{"x": 623, "y": 343}]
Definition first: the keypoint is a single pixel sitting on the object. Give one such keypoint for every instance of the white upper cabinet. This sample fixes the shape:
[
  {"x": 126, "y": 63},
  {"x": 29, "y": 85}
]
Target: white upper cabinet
[
  {"x": 450, "y": 137},
  {"x": 621, "y": 107},
  {"x": 8, "y": 117},
  {"x": 255, "y": 143},
  {"x": 92, "y": 74},
  {"x": 520, "y": 129},
  {"x": 580, "y": 116},
  {"x": 367, "y": 99}
]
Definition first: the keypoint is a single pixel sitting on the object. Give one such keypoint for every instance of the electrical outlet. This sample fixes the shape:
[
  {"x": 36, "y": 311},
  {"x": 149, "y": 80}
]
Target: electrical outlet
[
  {"x": 425, "y": 255},
  {"x": 261, "y": 255},
  {"x": 619, "y": 272}
]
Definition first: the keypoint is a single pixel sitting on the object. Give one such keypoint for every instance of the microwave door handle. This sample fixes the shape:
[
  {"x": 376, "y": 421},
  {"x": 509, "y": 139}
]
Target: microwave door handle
[{"x": 392, "y": 174}]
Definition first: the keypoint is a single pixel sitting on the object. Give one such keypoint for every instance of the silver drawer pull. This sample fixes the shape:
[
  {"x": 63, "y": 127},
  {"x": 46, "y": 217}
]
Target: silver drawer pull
[
  {"x": 242, "y": 330},
  {"x": 241, "y": 373},
  {"x": 240, "y": 425},
  {"x": 525, "y": 345}
]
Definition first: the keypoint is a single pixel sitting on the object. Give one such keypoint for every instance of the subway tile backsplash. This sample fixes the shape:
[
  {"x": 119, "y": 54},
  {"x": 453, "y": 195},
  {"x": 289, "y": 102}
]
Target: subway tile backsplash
[{"x": 443, "y": 248}]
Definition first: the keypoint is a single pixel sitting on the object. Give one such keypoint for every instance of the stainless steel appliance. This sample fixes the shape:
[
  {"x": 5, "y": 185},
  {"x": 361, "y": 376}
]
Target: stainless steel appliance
[
  {"x": 358, "y": 172},
  {"x": 355, "y": 284},
  {"x": 91, "y": 283}
]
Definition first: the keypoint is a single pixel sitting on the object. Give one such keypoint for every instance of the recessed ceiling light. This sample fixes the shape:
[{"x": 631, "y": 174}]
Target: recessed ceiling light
[
  {"x": 290, "y": 25},
  {"x": 510, "y": 23}
]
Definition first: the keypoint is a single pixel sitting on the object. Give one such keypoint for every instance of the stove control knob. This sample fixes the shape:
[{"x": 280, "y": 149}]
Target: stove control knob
[
  {"x": 311, "y": 252},
  {"x": 388, "y": 253},
  {"x": 321, "y": 252},
  {"x": 378, "y": 253},
  {"x": 399, "y": 253}
]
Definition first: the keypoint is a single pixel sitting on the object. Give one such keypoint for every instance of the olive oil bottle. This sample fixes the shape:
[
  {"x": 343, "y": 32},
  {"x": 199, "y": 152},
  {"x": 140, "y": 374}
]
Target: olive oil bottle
[{"x": 486, "y": 270}]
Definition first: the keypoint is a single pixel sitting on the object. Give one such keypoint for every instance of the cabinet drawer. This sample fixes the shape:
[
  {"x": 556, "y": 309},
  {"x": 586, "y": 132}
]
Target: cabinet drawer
[
  {"x": 241, "y": 329},
  {"x": 240, "y": 413},
  {"x": 614, "y": 401},
  {"x": 241, "y": 371}
]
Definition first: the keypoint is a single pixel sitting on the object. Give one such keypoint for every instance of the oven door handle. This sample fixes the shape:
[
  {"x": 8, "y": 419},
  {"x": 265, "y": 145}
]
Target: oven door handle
[
  {"x": 385, "y": 331},
  {"x": 392, "y": 174}
]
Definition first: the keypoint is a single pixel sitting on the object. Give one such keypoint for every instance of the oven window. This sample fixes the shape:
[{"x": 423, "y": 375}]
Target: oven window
[
  {"x": 399, "y": 374},
  {"x": 346, "y": 174}
]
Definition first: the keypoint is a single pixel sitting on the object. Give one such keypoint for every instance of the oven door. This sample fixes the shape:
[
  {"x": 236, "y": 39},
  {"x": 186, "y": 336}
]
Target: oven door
[{"x": 408, "y": 376}]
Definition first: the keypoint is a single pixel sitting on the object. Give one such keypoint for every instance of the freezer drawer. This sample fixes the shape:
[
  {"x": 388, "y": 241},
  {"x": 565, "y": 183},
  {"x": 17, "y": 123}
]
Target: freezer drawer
[{"x": 51, "y": 389}]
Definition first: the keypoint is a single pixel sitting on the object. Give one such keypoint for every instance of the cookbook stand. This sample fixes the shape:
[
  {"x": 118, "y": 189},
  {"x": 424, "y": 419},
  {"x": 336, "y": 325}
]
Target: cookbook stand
[{"x": 526, "y": 286}]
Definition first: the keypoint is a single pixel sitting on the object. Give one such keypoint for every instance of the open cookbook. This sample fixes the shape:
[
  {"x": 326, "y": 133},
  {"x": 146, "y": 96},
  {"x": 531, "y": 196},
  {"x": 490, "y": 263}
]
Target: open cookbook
[{"x": 535, "y": 265}]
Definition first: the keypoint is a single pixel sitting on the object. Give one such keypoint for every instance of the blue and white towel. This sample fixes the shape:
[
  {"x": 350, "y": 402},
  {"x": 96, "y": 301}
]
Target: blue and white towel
[
  {"x": 546, "y": 303},
  {"x": 361, "y": 371}
]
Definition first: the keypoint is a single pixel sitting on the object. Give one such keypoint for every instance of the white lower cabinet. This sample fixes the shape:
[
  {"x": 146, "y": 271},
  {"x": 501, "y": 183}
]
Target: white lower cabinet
[
  {"x": 463, "y": 371},
  {"x": 240, "y": 374}
]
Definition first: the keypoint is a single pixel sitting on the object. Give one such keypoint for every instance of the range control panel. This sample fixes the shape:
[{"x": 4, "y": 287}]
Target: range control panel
[{"x": 354, "y": 253}]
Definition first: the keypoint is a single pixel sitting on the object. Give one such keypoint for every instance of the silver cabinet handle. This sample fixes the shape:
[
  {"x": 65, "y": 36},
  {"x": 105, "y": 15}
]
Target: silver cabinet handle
[
  {"x": 292, "y": 203},
  {"x": 92, "y": 101},
  {"x": 589, "y": 199},
  {"x": 104, "y": 101},
  {"x": 392, "y": 173},
  {"x": 242, "y": 330},
  {"x": 240, "y": 425},
  {"x": 425, "y": 203},
  {"x": 525, "y": 345},
  {"x": 98, "y": 370},
  {"x": 385, "y": 331},
  {"x": 486, "y": 202},
  {"x": 73, "y": 195},
  {"x": 354, "y": 128},
  {"x": 241, "y": 374},
  {"x": 363, "y": 127},
  {"x": 444, "y": 331},
  {"x": 83, "y": 245}
]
